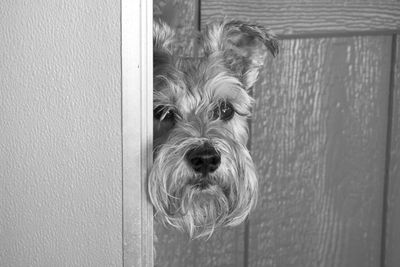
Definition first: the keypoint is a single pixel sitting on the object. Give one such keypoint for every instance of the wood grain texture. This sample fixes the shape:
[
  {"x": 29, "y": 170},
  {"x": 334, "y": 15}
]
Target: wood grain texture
[
  {"x": 290, "y": 18},
  {"x": 319, "y": 139},
  {"x": 182, "y": 16},
  {"x": 319, "y": 136},
  {"x": 224, "y": 248},
  {"x": 393, "y": 216}
]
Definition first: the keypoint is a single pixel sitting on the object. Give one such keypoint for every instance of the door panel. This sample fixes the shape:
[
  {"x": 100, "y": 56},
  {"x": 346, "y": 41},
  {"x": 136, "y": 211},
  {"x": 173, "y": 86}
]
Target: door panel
[
  {"x": 393, "y": 219},
  {"x": 309, "y": 18},
  {"x": 319, "y": 140},
  {"x": 318, "y": 137},
  {"x": 224, "y": 248},
  {"x": 183, "y": 17}
]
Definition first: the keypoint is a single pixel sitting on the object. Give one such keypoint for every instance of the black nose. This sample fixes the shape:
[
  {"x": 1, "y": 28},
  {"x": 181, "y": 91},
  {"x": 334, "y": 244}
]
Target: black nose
[{"x": 204, "y": 159}]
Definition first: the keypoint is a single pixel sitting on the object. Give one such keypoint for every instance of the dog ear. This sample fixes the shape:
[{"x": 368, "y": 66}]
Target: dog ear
[
  {"x": 243, "y": 47},
  {"x": 163, "y": 39}
]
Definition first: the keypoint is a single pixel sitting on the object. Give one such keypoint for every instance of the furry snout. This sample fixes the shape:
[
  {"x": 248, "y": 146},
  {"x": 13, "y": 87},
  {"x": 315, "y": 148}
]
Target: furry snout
[{"x": 197, "y": 202}]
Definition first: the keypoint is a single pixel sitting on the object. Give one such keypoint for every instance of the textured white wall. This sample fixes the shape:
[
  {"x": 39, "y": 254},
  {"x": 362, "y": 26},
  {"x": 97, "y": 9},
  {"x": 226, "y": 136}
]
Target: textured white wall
[{"x": 60, "y": 133}]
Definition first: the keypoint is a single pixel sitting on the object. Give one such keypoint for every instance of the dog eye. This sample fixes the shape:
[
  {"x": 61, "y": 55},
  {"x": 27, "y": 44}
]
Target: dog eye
[
  {"x": 162, "y": 113},
  {"x": 224, "y": 111}
]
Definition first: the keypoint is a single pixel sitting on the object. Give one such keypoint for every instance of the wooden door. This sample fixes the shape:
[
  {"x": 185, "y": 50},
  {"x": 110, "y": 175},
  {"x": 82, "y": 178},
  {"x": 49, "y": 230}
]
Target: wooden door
[{"x": 325, "y": 138}]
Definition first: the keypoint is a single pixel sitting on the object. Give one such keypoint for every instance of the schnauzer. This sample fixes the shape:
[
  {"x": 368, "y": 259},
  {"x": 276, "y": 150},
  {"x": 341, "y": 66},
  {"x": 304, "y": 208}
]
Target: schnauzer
[{"x": 203, "y": 175}]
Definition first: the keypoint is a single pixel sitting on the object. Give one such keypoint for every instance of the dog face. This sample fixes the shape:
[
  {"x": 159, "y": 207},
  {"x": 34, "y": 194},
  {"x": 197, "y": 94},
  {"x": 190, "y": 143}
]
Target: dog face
[{"x": 203, "y": 176}]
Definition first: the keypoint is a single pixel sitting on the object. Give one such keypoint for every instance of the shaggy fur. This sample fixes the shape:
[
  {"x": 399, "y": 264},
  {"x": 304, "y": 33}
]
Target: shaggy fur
[{"x": 201, "y": 106}]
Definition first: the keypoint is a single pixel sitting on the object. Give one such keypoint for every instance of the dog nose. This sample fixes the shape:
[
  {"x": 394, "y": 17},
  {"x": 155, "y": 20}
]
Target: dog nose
[{"x": 204, "y": 159}]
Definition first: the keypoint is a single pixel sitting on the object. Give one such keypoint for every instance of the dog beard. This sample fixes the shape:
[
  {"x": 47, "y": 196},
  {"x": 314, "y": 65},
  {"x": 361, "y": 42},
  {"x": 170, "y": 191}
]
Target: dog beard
[
  {"x": 199, "y": 209},
  {"x": 197, "y": 203}
]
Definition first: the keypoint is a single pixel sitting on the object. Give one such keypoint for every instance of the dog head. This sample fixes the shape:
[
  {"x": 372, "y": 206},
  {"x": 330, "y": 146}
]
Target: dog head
[{"x": 203, "y": 176}]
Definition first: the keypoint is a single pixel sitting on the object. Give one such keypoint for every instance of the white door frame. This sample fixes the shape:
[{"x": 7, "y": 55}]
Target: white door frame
[{"x": 137, "y": 136}]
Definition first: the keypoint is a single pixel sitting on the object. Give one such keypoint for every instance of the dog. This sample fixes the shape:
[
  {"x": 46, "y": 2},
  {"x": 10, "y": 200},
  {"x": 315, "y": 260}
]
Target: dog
[{"x": 203, "y": 176}]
